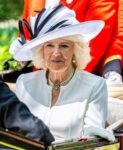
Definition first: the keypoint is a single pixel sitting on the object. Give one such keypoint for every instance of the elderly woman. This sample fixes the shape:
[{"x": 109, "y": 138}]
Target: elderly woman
[{"x": 68, "y": 99}]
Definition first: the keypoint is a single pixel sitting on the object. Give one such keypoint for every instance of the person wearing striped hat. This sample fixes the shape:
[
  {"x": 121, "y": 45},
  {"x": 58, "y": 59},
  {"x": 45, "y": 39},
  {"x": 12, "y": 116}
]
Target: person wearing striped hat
[{"x": 68, "y": 99}]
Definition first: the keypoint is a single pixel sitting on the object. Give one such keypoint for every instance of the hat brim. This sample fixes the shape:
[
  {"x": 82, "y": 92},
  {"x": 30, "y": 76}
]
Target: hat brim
[{"x": 87, "y": 30}]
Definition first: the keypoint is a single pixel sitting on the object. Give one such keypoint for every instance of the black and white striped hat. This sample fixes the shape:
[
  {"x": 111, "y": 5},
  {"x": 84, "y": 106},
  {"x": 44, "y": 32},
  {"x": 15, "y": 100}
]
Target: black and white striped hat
[{"x": 49, "y": 24}]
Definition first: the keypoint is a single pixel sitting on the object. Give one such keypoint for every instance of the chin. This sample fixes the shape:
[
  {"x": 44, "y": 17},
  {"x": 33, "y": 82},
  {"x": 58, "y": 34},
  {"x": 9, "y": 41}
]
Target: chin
[{"x": 58, "y": 69}]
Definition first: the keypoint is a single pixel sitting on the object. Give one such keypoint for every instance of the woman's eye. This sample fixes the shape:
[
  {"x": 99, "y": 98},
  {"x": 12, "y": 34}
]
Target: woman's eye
[
  {"x": 49, "y": 45},
  {"x": 64, "y": 46}
]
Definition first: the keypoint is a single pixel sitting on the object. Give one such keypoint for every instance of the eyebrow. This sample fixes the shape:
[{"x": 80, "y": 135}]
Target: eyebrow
[{"x": 59, "y": 43}]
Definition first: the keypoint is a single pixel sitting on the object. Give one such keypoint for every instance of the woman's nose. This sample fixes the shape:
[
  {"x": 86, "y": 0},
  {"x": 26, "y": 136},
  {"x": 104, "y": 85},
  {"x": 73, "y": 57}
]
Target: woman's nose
[{"x": 56, "y": 51}]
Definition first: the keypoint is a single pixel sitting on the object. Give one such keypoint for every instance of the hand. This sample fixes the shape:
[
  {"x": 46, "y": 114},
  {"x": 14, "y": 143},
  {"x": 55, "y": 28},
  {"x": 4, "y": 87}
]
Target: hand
[{"x": 94, "y": 131}]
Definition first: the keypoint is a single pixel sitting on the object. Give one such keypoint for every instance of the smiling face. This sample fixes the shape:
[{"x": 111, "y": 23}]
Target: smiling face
[{"x": 58, "y": 54}]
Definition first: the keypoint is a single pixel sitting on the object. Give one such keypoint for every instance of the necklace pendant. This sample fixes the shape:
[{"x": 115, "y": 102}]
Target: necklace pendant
[{"x": 56, "y": 86}]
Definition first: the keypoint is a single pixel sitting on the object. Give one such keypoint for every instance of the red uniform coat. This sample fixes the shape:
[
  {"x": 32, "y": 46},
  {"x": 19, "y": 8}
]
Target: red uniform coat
[
  {"x": 115, "y": 48},
  {"x": 88, "y": 10}
]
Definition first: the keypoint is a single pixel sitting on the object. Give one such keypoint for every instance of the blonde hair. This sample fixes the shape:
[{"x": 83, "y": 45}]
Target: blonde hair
[{"x": 81, "y": 52}]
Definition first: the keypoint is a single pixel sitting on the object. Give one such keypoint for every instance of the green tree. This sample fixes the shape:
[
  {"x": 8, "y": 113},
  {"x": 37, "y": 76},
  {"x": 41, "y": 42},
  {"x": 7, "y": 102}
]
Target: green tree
[{"x": 10, "y": 9}]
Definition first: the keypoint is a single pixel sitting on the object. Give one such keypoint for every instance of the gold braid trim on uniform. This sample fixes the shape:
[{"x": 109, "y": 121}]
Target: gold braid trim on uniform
[{"x": 112, "y": 58}]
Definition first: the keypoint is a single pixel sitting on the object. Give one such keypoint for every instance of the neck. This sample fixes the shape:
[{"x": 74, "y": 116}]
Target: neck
[{"x": 60, "y": 76}]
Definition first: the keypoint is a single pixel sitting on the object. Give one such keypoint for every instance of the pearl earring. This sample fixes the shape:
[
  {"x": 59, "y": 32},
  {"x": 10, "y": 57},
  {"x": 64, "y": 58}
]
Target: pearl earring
[{"x": 74, "y": 61}]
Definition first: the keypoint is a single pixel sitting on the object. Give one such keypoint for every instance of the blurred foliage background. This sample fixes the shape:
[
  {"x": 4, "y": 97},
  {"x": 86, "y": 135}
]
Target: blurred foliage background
[{"x": 9, "y": 10}]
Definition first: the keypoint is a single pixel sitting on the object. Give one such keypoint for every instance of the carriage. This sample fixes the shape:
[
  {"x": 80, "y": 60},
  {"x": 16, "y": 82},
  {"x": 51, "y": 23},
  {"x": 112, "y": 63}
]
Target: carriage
[{"x": 10, "y": 140}]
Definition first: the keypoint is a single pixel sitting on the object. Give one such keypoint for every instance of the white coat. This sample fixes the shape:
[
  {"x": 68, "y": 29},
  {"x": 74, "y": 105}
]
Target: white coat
[{"x": 82, "y": 102}]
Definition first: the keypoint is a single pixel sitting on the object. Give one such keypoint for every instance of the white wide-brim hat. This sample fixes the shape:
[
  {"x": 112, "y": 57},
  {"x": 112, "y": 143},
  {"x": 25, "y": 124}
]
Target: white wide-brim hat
[{"x": 53, "y": 24}]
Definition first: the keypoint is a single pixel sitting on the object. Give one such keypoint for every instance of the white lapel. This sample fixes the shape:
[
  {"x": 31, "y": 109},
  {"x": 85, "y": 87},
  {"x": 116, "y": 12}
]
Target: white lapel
[
  {"x": 51, "y": 3},
  {"x": 69, "y": 1}
]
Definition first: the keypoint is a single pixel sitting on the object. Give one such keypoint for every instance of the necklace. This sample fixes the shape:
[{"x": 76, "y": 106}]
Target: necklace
[{"x": 56, "y": 86}]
